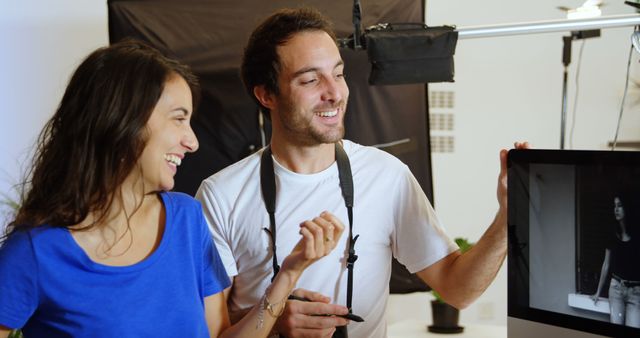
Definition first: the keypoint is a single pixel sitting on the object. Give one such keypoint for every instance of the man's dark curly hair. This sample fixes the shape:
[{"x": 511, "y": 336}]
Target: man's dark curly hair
[{"x": 260, "y": 63}]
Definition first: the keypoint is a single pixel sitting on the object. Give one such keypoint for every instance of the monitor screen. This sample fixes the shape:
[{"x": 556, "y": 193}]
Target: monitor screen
[{"x": 574, "y": 241}]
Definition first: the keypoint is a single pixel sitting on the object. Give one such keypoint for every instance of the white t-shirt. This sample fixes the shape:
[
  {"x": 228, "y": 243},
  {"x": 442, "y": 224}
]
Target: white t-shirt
[{"x": 391, "y": 214}]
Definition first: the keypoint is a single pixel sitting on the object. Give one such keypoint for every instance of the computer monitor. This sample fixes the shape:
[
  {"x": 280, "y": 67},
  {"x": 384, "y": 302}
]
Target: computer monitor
[{"x": 568, "y": 210}]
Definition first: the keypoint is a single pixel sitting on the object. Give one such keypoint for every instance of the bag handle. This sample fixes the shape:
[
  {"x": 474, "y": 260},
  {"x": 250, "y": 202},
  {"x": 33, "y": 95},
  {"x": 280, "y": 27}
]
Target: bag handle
[{"x": 405, "y": 25}]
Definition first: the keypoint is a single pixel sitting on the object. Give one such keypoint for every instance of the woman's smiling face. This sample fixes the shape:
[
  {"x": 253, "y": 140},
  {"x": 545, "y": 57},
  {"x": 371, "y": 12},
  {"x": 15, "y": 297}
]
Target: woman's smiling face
[{"x": 169, "y": 136}]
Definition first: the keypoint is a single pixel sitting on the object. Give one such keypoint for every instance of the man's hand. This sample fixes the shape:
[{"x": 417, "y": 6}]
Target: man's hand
[
  {"x": 302, "y": 319},
  {"x": 502, "y": 178}
]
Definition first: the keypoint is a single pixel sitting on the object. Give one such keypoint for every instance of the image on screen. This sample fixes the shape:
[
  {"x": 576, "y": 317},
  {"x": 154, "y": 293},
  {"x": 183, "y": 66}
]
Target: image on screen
[{"x": 575, "y": 240}]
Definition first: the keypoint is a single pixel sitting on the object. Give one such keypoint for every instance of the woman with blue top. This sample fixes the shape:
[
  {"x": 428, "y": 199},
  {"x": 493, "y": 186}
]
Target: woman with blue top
[{"x": 99, "y": 247}]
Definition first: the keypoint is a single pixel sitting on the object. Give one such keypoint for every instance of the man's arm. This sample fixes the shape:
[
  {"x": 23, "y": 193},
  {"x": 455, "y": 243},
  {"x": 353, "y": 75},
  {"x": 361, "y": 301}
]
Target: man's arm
[{"x": 450, "y": 275}]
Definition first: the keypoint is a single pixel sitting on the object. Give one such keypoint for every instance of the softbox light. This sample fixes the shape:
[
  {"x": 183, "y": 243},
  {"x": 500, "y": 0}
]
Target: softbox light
[{"x": 410, "y": 53}]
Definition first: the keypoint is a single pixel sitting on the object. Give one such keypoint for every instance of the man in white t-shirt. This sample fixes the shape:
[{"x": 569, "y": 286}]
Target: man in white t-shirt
[{"x": 293, "y": 69}]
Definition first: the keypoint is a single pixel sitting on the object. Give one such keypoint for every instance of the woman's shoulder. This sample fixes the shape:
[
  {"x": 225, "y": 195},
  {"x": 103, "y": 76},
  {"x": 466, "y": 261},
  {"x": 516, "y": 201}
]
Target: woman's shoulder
[
  {"x": 181, "y": 206},
  {"x": 27, "y": 234},
  {"x": 22, "y": 241},
  {"x": 179, "y": 199},
  {"x": 16, "y": 238}
]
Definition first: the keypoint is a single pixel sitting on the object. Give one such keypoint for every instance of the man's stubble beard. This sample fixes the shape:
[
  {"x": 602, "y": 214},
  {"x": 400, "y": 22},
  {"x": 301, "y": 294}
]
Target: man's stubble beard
[{"x": 300, "y": 127}]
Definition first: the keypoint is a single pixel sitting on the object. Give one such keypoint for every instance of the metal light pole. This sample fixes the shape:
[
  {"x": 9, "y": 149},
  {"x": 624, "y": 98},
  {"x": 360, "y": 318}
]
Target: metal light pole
[{"x": 580, "y": 29}]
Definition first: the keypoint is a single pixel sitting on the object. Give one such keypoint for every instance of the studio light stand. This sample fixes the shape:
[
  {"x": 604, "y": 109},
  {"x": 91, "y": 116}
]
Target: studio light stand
[
  {"x": 354, "y": 41},
  {"x": 580, "y": 28},
  {"x": 566, "y": 60}
]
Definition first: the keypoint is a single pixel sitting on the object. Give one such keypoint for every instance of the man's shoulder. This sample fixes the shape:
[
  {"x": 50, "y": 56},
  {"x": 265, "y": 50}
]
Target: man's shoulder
[
  {"x": 238, "y": 171},
  {"x": 231, "y": 180},
  {"x": 369, "y": 156}
]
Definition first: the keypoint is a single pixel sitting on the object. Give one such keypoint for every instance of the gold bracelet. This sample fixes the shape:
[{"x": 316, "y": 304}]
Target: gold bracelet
[
  {"x": 260, "y": 313},
  {"x": 266, "y": 304},
  {"x": 270, "y": 306}
]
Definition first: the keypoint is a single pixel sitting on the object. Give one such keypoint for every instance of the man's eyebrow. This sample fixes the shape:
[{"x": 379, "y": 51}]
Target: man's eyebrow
[
  {"x": 314, "y": 69},
  {"x": 305, "y": 70}
]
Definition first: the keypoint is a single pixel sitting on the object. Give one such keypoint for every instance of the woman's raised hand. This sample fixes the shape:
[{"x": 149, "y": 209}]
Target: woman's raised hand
[{"x": 319, "y": 236}]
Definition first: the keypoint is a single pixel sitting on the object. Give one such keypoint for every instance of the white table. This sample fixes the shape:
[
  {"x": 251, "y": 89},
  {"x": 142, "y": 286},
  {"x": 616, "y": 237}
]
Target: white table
[{"x": 418, "y": 329}]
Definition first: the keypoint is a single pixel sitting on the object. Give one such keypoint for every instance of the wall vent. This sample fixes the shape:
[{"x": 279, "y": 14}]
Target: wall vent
[
  {"x": 438, "y": 121},
  {"x": 441, "y": 99},
  {"x": 442, "y": 144},
  {"x": 441, "y": 121}
]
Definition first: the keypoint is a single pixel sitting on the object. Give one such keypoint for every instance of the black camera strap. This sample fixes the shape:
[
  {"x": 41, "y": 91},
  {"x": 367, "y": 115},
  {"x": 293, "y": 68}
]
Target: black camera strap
[{"x": 268, "y": 185}]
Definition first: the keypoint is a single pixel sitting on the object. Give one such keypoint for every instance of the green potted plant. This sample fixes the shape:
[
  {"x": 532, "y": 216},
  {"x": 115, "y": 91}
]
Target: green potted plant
[
  {"x": 15, "y": 334},
  {"x": 445, "y": 317}
]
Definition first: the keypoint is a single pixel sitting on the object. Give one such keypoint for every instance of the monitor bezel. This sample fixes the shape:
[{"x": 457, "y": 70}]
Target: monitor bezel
[{"x": 517, "y": 161}]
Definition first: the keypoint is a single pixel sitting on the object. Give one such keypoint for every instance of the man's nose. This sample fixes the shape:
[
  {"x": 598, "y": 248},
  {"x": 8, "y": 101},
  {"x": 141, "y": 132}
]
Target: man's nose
[{"x": 332, "y": 90}]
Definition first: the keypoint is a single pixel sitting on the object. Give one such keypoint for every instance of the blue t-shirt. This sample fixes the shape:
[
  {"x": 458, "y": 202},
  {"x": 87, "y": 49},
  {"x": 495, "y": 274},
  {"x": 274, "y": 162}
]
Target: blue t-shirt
[{"x": 51, "y": 288}]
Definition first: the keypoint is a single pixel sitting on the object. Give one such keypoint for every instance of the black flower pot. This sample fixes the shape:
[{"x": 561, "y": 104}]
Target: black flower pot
[{"x": 445, "y": 318}]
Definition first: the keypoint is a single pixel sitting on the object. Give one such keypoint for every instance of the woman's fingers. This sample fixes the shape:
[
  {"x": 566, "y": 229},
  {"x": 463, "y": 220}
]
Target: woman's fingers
[
  {"x": 308, "y": 247},
  {"x": 337, "y": 226},
  {"x": 318, "y": 234},
  {"x": 328, "y": 234},
  {"x": 319, "y": 237},
  {"x": 325, "y": 231}
]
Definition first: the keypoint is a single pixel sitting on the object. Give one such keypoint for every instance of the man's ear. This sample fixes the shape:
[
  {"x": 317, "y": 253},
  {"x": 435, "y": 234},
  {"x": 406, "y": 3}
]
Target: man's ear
[{"x": 263, "y": 96}]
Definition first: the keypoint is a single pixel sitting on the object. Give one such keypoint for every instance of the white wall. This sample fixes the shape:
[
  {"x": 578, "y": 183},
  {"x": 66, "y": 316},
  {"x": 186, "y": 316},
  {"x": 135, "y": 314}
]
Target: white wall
[
  {"x": 42, "y": 43},
  {"x": 509, "y": 89}
]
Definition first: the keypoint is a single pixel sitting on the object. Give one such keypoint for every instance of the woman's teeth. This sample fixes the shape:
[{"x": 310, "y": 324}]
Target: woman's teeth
[
  {"x": 173, "y": 159},
  {"x": 328, "y": 113}
]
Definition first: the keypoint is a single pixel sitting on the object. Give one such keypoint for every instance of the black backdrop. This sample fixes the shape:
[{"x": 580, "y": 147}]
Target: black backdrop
[{"x": 209, "y": 36}]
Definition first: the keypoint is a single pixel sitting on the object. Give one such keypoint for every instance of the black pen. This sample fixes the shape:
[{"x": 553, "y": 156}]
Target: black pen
[
  {"x": 349, "y": 316},
  {"x": 302, "y": 299}
]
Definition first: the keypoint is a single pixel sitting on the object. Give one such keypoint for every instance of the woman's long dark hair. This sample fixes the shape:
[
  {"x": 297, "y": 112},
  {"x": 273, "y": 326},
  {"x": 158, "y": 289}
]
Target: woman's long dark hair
[{"x": 94, "y": 139}]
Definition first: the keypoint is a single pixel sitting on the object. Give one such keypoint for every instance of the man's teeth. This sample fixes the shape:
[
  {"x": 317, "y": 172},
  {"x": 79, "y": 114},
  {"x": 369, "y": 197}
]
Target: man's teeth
[
  {"x": 327, "y": 113},
  {"x": 173, "y": 159}
]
